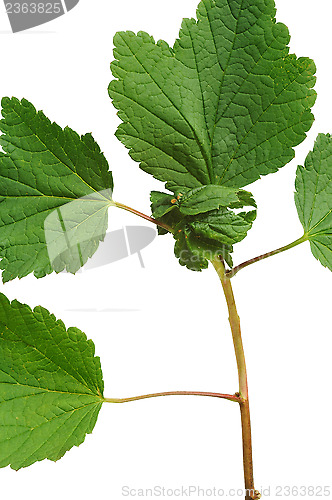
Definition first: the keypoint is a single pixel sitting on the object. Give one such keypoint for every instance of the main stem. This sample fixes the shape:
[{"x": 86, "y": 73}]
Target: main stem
[{"x": 234, "y": 320}]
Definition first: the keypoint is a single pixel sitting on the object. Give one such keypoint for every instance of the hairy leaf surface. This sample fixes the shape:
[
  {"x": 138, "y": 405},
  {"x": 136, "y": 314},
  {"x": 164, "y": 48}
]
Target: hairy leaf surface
[
  {"x": 224, "y": 106},
  {"x": 55, "y": 189},
  {"x": 313, "y": 199},
  {"x": 51, "y": 386}
]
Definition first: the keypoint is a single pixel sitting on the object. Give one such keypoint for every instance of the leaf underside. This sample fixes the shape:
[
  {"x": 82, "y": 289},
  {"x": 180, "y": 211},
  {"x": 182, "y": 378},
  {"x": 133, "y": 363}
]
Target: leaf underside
[
  {"x": 313, "y": 199},
  {"x": 51, "y": 386},
  {"x": 55, "y": 190},
  {"x": 224, "y": 106}
]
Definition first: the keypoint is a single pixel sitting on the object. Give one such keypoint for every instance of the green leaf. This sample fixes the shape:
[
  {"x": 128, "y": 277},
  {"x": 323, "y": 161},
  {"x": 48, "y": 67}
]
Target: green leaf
[
  {"x": 211, "y": 197},
  {"x": 206, "y": 198},
  {"x": 201, "y": 238},
  {"x": 51, "y": 386},
  {"x": 245, "y": 200},
  {"x": 195, "y": 251},
  {"x": 224, "y": 106},
  {"x": 187, "y": 253},
  {"x": 55, "y": 190},
  {"x": 164, "y": 207},
  {"x": 224, "y": 226},
  {"x": 200, "y": 235},
  {"x": 161, "y": 203},
  {"x": 313, "y": 199}
]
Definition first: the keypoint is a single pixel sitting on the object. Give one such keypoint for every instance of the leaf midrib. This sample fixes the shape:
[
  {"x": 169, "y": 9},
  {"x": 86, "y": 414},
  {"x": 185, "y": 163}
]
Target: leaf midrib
[
  {"x": 51, "y": 210},
  {"x": 318, "y": 223},
  {"x": 198, "y": 142},
  {"x": 42, "y": 390},
  {"x": 252, "y": 127},
  {"x": 223, "y": 70},
  {"x": 29, "y": 430},
  {"x": 208, "y": 160},
  {"x": 33, "y": 133},
  {"x": 23, "y": 341}
]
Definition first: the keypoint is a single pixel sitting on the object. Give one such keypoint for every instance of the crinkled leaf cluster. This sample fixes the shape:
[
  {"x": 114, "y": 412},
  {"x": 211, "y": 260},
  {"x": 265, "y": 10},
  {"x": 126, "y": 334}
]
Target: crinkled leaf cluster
[{"x": 203, "y": 223}]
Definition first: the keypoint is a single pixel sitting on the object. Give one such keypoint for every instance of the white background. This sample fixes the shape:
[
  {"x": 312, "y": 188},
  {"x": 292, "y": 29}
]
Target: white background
[{"x": 175, "y": 335}]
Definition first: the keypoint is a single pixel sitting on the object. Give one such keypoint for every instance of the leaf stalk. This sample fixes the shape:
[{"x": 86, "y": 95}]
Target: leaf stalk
[
  {"x": 143, "y": 216},
  {"x": 235, "y": 398},
  {"x": 236, "y": 269}
]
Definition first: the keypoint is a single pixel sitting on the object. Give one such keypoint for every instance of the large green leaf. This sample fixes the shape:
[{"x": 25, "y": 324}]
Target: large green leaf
[
  {"x": 55, "y": 190},
  {"x": 51, "y": 386},
  {"x": 225, "y": 106},
  {"x": 313, "y": 199}
]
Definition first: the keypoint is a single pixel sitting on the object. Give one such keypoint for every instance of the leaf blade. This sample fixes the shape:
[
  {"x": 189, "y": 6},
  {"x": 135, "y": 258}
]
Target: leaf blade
[
  {"x": 237, "y": 101},
  {"x": 44, "y": 168},
  {"x": 51, "y": 386},
  {"x": 313, "y": 199},
  {"x": 206, "y": 199},
  {"x": 224, "y": 226}
]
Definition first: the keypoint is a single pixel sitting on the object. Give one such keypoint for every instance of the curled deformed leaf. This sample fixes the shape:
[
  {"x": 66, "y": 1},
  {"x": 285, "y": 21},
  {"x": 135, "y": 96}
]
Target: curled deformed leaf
[
  {"x": 203, "y": 223},
  {"x": 206, "y": 198}
]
